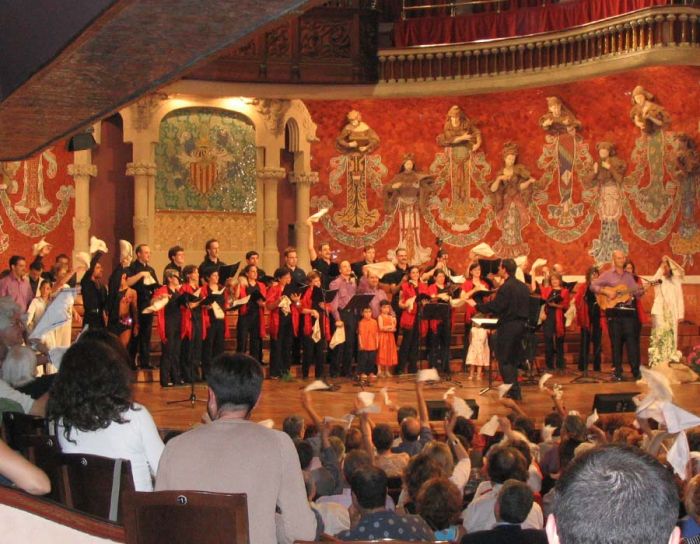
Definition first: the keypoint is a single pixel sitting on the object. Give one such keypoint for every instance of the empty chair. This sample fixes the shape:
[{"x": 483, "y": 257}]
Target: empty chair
[
  {"x": 186, "y": 516},
  {"x": 94, "y": 484}
]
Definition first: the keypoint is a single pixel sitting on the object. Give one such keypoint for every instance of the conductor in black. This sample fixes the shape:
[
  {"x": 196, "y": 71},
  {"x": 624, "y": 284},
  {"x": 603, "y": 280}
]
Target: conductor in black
[{"x": 511, "y": 307}]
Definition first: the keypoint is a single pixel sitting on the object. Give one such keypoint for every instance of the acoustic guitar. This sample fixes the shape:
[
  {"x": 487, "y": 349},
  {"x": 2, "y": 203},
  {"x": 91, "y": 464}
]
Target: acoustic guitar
[{"x": 622, "y": 294}]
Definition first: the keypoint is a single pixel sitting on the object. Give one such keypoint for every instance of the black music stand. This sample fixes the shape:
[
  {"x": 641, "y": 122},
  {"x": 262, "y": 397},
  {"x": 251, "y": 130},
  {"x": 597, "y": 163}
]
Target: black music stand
[
  {"x": 530, "y": 340},
  {"x": 437, "y": 311},
  {"x": 185, "y": 298}
]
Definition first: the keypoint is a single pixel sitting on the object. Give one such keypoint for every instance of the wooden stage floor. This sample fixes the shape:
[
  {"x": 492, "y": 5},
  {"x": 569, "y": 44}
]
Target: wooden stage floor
[{"x": 280, "y": 399}]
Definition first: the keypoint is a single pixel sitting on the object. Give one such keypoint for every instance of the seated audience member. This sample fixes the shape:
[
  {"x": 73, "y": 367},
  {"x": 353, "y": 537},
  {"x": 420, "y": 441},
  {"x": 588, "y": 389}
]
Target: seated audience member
[
  {"x": 690, "y": 525},
  {"x": 16, "y": 471},
  {"x": 13, "y": 360},
  {"x": 512, "y": 506},
  {"x": 439, "y": 503},
  {"x": 391, "y": 463},
  {"x": 375, "y": 522},
  {"x": 91, "y": 402},
  {"x": 420, "y": 469},
  {"x": 503, "y": 463},
  {"x": 353, "y": 439},
  {"x": 335, "y": 516},
  {"x": 294, "y": 426},
  {"x": 235, "y": 455},
  {"x": 614, "y": 494},
  {"x": 415, "y": 433}
]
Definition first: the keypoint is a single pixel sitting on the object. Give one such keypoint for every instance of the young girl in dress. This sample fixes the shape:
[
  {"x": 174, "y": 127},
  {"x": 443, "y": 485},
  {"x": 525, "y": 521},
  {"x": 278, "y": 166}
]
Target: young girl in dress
[
  {"x": 386, "y": 354},
  {"x": 478, "y": 352}
]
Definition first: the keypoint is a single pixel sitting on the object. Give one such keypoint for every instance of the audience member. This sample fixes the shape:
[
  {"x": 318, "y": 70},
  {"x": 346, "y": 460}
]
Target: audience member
[
  {"x": 374, "y": 520},
  {"x": 235, "y": 455},
  {"x": 513, "y": 504},
  {"x": 336, "y": 517},
  {"x": 415, "y": 433},
  {"x": 439, "y": 503},
  {"x": 91, "y": 402},
  {"x": 16, "y": 284},
  {"x": 614, "y": 494},
  {"x": 690, "y": 525}
]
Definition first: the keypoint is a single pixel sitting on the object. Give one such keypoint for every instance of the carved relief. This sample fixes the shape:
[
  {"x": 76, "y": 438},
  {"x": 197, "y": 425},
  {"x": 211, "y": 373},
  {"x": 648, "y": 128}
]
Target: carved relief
[
  {"x": 194, "y": 229},
  {"x": 272, "y": 110},
  {"x": 324, "y": 39},
  {"x": 82, "y": 170},
  {"x": 277, "y": 42},
  {"x": 144, "y": 109}
]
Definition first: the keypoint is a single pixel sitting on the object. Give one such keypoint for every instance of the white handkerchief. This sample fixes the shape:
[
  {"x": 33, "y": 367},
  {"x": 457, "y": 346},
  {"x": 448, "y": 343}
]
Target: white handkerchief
[
  {"x": 592, "y": 419},
  {"x": 82, "y": 259},
  {"x": 338, "y": 337},
  {"x": 58, "y": 312},
  {"x": 240, "y": 302},
  {"x": 659, "y": 386},
  {"x": 428, "y": 375},
  {"x": 345, "y": 421},
  {"x": 97, "y": 245},
  {"x": 316, "y": 332},
  {"x": 367, "y": 400},
  {"x": 315, "y": 218},
  {"x": 458, "y": 279},
  {"x": 503, "y": 389},
  {"x": 410, "y": 303},
  {"x": 126, "y": 250},
  {"x": 570, "y": 315},
  {"x": 677, "y": 419},
  {"x": 548, "y": 433},
  {"x": 543, "y": 379},
  {"x": 380, "y": 269},
  {"x": 41, "y": 244},
  {"x": 558, "y": 391},
  {"x": 650, "y": 408},
  {"x": 285, "y": 304},
  {"x": 520, "y": 260},
  {"x": 148, "y": 280},
  {"x": 538, "y": 262},
  {"x": 490, "y": 428},
  {"x": 385, "y": 393},
  {"x": 267, "y": 423},
  {"x": 457, "y": 302},
  {"x": 56, "y": 356},
  {"x": 574, "y": 413},
  {"x": 679, "y": 455},
  {"x": 483, "y": 250},
  {"x": 450, "y": 391},
  {"x": 318, "y": 385},
  {"x": 218, "y": 312},
  {"x": 461, "y": 408},
  {"x": 156, "y": 305}
]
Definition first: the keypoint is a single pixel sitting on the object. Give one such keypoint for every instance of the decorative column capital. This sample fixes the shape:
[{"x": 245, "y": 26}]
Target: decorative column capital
[
  {"x": 82, "y": 170},
  {"x": 272, "y": 173},
  {"x": 140, "y": 169},
  {"x": 304, "y": 178}
]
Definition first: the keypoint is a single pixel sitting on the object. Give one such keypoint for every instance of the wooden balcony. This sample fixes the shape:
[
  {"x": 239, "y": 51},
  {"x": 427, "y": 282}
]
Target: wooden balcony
[{"x": 652, "y": 36}]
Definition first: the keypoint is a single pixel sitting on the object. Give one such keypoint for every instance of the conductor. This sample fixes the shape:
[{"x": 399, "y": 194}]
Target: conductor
[{"x": 511, "y": 307}]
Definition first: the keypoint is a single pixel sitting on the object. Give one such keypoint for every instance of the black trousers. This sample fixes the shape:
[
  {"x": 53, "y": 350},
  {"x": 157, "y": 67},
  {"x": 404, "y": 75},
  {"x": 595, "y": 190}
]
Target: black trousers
[
  {"x": 94, "y": 320},
  {"x": 213, "y": 344},
  {"x": 590, "y": 337},
  {"x": 624, "y": 331},
  {"x": 439, "y": 353},
  {"x": 341, "y": 360},
  {"x": 281, "y": 348},
  {"x": 366, "y": 362},
  {"x": 143, "y": 340},
  {"x": 297, "y": 343},
  {"x": 553, "y": 344},
  {"x": 170, "y": 358},
  {"x": 509, "y": 352},
  {"x": 192, "y": 350},
  {"x": 408, "y": 350},
  {"x": 313, "y": 355},
  {"x": 248, "y": 335}
]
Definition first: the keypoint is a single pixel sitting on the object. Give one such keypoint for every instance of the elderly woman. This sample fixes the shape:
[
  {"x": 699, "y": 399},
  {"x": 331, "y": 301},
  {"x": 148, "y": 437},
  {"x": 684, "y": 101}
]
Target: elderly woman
[
  {"x": 92, "y": 405},
  {"x": 17, "y": 362}
]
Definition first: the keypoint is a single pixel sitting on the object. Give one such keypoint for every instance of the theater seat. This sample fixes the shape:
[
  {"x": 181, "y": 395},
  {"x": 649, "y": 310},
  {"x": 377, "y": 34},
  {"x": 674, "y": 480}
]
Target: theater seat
[{"x": 186, "y": 516}]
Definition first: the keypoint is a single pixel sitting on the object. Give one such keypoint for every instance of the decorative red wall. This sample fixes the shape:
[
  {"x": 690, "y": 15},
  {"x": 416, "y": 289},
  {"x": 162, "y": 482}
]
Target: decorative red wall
[
  {"x": 37, "y": 198},
  {"x": 601, "y": 105}
]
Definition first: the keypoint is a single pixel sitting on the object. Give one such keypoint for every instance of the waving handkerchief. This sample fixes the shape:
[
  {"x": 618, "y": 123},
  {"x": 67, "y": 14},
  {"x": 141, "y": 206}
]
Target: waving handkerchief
[
  {"x": 679, "y": 455},
  {"x": 345, "y": 421},
  {"x": 367, "y": 401},
  {"x": 97, "y": 245},
  {"x": 267, "y": 423},
  {"x": 458, "y": 279},
  {"x": 148, "y": 280},
  {"x": 380, "y": 269},
  {"x": 317, "y": 385},
  {"x": 338, "y": 337},
  {"x": 677, "y": 419},
  {"x": 490, "y": 428},
  {"x": 548, "y": 433},
  {"x": 41, "y": 244},
  {"x": 592, "y": 419},
  {"x": 659, "y": 386},
  {"x": 428, "y": 375},
  {"x": 461, "y": 408},
  {"x": 450, "y": 391},
  {"x": 57, "y": 313},
  {"x": 410, "y": 302},
  {"x": 126, "y": 250},
  {"x": 570, "y": 315},
  {"x": 483, "y": 250},
  {"x": 82, "y": 259},
  {"x": 156, "y": 305},
  {"x": 649, "y": 408},
  {"x": 539, "y": 262},
  {"x": 285, "y": 305},
  {"x": 316, "y": 332},
  {"x": 315, "y": 218},
  {"x": 503, "y": 389},
  {"x": 543, "y": 379},
  {"x": 385, "y": 394}
]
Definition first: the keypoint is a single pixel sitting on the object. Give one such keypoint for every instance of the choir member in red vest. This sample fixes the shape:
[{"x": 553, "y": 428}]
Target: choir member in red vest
[
  {"x": 169, "y": 322},
  {"x": 314, "y": 311},
  {"x": 283, "y": 305},
  {"x": 557, "y": 299},
  {"x": 251, "y": 316},
  {"x": 194, "y": 324}
]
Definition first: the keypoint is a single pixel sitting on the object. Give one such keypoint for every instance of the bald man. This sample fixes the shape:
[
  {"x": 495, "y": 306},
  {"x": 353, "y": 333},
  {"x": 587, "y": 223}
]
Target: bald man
[{"x": 622, "y": 325}]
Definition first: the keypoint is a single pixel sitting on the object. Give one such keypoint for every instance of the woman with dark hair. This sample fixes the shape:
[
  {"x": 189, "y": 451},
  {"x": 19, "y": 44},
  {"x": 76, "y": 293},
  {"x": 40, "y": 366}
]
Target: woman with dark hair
[
  {"x": 439, "y": 503},
  {"x": 411, "y": 326},
  {"x": 213, "y": 341},
  {"x": 556, "y": 301},
  {"x": 315, "y": 314},
  {"x": 194, "y": 325},
  {"x": 478, "y": 352},
  {"x": 440, "y": 332},
  {"x": 588, "y": 317},
  {"x": 251, "y": 316},
  {"x": 92, "y": 406},
  {"x": 284, "y": 318}
]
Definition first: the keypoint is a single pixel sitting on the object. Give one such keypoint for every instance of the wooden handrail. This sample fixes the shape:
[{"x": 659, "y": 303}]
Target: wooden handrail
[
  {"x": 627, "y": 34},
  {"x": 58, "y": 513}
]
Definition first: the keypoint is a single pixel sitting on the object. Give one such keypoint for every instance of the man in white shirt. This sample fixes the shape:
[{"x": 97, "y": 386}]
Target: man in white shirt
[
  {"x": 504, "y": 463},
  {"x": 235, "y": 455}
]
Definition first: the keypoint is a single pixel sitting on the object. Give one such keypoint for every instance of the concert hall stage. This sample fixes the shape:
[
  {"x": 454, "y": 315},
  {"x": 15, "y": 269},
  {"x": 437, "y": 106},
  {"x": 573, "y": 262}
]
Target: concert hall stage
[{"x": 280, "y": 398}]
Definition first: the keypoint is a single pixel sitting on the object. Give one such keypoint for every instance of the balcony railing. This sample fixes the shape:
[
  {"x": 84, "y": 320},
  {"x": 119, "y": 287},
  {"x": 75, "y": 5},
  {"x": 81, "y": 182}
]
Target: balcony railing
[{"x": 625, "y": 35}]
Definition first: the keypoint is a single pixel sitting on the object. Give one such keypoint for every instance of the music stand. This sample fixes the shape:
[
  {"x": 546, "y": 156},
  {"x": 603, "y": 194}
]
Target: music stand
[
  {"x": 437, "y": 311},
  {"x": 530, "y": 340},
  {"x": 185, "y": 298}
]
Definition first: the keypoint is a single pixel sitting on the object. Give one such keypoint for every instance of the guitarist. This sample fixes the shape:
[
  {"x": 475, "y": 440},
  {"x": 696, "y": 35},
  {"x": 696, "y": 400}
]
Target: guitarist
[{"x": 623, "y": 328}]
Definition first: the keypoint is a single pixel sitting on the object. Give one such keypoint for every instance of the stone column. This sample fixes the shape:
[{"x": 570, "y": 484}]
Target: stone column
[
  {"x": 303, "y": 182},
  {"x": 144, "y": 173},
  {"x": 270, "y": 177},
  {"x": 81, "y": 171}
]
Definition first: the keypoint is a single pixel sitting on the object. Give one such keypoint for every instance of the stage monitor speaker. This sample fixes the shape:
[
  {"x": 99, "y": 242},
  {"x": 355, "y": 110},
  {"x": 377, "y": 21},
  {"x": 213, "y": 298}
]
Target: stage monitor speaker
[
  {"x": 609, "y": 403},
  {"x": 437, "y": 409}
]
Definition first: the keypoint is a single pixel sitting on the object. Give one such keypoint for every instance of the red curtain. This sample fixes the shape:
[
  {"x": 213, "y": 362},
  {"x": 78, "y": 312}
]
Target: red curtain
[{"x": 517, "y": 22}]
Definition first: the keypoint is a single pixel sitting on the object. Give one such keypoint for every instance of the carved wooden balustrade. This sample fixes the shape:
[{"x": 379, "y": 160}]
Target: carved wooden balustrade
[
  {"x": 333, "y": 43},
  {"x": 652, "y": 29}
]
